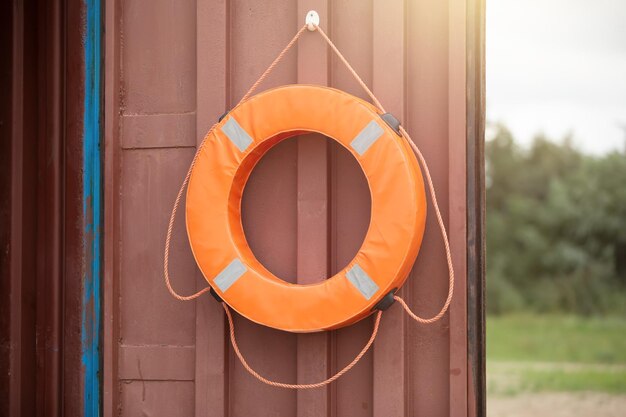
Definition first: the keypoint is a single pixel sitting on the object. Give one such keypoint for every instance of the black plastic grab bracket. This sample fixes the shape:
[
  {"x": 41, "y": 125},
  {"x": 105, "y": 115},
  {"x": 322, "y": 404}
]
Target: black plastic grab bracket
[
  {"x": 386, "y": 301},
  {"x": 392, "y": 122},
  {"x": 216, "y": 296}
]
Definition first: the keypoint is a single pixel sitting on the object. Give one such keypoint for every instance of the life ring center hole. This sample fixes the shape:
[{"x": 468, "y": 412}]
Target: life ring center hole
[{"x": 306, "y": 209}]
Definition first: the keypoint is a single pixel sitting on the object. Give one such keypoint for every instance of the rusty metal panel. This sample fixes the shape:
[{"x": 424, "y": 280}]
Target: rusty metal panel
[
  {"x": 50, "y": 209},
  {"x": 171, "y": 70}
]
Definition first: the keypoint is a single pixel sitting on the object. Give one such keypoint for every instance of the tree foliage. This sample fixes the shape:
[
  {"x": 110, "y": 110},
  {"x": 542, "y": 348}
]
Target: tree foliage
[{"x": 556, "y": 228}]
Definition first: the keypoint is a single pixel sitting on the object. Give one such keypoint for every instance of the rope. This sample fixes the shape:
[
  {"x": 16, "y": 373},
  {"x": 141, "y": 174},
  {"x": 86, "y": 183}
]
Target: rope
[
  {"x": 433, "y": 196},
  {"x": 431, "y": 188},
  {"x": 299, "y": 386},
  {"x": 273, "y": 64},
  {"x": 352, "y": 71},
  {"x": 444, "y": 237},
  {"x": 170, "y": 226}
]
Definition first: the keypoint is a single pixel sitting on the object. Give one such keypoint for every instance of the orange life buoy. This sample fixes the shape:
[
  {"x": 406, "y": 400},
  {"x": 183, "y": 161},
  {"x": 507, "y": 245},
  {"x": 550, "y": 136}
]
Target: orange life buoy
[{"x": 213, "y": 208}]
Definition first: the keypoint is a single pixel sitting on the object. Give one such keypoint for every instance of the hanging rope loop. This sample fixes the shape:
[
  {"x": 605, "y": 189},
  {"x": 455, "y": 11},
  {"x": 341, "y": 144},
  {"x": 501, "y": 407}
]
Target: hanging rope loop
[
  {"x": 170, "y": 227},
  {"x": 255, "y": 374},
  {"x": 444, "y": 237}
]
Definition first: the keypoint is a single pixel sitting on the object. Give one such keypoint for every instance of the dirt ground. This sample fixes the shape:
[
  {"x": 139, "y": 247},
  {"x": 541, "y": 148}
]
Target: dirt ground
[{"x": 557, "y": 405}]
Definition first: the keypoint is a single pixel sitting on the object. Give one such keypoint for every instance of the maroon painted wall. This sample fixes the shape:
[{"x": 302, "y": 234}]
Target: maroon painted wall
[{"x": 171, "y": 70}]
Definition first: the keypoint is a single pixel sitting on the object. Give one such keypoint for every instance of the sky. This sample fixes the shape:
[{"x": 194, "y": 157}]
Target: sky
[{"x": 558, "y": 67}]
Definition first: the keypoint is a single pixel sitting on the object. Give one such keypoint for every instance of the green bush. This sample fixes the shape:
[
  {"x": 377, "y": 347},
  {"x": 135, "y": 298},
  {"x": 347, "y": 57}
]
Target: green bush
[{"x": 555, "y": 221}]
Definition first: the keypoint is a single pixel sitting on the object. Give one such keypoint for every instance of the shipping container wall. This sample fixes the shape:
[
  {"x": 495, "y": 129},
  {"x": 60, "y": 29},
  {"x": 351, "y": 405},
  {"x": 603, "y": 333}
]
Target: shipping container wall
[{"x": 172, "y": 69}]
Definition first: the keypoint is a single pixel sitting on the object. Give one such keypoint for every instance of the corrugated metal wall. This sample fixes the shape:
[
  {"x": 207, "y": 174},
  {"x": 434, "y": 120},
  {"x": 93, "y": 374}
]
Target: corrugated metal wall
[{"x": 172, "y": 68}]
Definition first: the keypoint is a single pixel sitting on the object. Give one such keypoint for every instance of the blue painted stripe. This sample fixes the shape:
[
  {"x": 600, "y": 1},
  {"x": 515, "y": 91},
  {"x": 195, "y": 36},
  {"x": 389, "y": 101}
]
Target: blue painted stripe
[{"x": 92, "y": 211}]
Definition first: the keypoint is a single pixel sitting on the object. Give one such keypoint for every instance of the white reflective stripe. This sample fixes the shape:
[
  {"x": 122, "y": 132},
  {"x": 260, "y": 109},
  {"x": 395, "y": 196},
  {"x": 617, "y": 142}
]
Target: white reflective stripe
[
  {"x": 236, "y": 134},
  {"x": 230, "y": 274},
  {"x": 359, "y": 278},
  {"x": 366, "y": 138}
]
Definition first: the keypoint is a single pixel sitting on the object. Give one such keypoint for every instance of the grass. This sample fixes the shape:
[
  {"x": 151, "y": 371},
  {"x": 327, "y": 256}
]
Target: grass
[
  {"x": 529, "y": 353},
  {"x": 556, "y": 339},
  {"x": 598, "y": 380}
]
